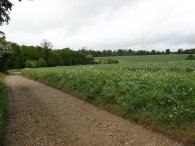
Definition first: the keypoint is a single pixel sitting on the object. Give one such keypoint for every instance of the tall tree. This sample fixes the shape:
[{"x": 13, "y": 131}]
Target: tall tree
[
  {"x": 180, "y": 51},
  {"x": 47, "y": 46},
  {"x": 168, "y": 51}
]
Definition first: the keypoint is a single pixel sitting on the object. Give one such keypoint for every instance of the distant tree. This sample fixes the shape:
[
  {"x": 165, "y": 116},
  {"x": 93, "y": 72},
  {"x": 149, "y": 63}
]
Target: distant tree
[
  {"x": 120, "y": 52},
  {"x": 47, "y": 46},
  {"x": 142, "y": 52},
  {"x": 189, "y": 51},
  {"x": 168, "y": 51},
  {"x": 153, "y": 52},
  {"x": 180, "y": 51},
  {"x": 130, "y": 51}
]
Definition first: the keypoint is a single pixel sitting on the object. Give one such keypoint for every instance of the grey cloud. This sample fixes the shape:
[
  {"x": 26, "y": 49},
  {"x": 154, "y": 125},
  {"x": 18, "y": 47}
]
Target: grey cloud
[{"x": 100, "y": 24}]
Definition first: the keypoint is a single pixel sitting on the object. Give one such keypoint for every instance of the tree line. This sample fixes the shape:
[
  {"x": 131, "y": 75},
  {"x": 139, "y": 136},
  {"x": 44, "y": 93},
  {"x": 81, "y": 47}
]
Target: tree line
[
  {"x": 17, "y": 57},
  {"x": 14, "y": 56},
  {"x": 128, "y": 52}
]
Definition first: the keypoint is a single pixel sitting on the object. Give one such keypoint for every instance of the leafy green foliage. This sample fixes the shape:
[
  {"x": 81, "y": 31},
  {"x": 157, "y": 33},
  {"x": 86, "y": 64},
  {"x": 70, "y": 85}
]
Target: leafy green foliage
[
  {"x": 63, "y": 57},
  {"x": 90, "y": 59},
  {"x": 13, "y": 56},
  {"x": 167, "y": 51},
  {"x": 159, "y": 93},
  {"x": 5, "y": 7},
  {"x": 31, "y": 56},
  {"x": 31, "y": 63},
  {"x": 16, "y": 57},
  {"x": 47, "y": 46},
  {"x": 4, "y": 53},
  {"x": 190, "y": 57},
  {"x": 41, "y": 62}
]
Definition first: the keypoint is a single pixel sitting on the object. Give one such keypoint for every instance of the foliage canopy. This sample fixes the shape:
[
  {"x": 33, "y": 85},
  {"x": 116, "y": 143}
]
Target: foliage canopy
[{"x": 5, "y": 8}]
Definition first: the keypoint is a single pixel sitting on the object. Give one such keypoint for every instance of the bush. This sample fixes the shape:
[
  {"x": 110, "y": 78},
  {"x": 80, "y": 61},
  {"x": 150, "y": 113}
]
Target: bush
[
  {"x": 190, "y": 57},
  {"x": 90, "y": 59},
  {"x": 31, "y": 63},
  {"x": 41, "y": 62}
]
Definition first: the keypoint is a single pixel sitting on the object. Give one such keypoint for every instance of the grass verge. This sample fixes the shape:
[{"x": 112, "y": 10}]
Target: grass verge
[{"x": 3, "y": 105}]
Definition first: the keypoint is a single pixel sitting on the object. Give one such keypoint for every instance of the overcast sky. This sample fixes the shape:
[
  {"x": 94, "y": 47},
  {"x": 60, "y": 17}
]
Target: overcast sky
[{"x": 104, "y": 24}]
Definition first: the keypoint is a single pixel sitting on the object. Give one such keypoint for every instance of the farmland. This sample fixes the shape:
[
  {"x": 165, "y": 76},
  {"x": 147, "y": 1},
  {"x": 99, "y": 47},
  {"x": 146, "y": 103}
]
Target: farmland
[
  {"x": 147, "y": 58},
  {"x": 158, "y": 94}
]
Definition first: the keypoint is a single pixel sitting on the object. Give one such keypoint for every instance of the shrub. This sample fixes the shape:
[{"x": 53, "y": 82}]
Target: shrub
[
  {"x": 90, "y": 59},
  {"x": 190, "y": 57},
  {"x": 41, "y": 62},
  {"x": 31, "y": 63}
]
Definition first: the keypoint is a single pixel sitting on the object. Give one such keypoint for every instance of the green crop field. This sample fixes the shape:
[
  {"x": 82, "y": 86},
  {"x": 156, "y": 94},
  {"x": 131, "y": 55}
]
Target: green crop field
[
  {"x": 3, "y": 105},
  {"x": 147, "y": 58},
  {"x": 157, "y": 93}
]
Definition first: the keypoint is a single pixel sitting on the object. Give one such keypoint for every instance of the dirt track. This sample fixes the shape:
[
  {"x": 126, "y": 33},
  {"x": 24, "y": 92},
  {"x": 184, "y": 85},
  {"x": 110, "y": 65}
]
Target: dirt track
[{"x": 43, "y": 116}]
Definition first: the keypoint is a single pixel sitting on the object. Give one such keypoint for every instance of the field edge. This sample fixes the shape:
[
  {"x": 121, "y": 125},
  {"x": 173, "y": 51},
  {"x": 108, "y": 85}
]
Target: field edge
[{"x": 178, "y": 135}]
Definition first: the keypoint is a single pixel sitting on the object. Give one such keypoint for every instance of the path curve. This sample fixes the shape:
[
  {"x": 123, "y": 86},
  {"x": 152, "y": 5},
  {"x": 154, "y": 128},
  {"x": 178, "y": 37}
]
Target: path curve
[{"x": 40, "y": 115}]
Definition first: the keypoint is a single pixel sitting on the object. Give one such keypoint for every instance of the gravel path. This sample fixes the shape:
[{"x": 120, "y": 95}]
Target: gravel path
[{"x": 40, "y": 115}]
